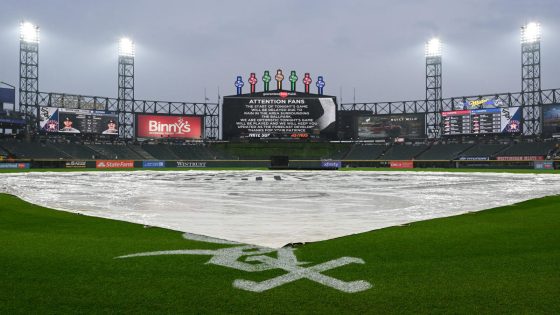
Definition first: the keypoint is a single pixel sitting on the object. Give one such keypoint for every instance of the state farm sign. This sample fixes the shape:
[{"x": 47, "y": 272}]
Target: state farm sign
[
  {"x": 158, "y": 126},
  {"x": 114, "y": 164}
]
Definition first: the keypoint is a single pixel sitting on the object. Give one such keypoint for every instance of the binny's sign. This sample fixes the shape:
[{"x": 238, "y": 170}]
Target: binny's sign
[
  {"x": 251, "y": 258},
  {"x": 159, "y": 126}
]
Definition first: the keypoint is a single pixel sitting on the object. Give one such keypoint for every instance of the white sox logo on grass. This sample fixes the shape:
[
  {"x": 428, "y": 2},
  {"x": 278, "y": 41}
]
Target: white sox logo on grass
[{"x": 254, "y": 259}]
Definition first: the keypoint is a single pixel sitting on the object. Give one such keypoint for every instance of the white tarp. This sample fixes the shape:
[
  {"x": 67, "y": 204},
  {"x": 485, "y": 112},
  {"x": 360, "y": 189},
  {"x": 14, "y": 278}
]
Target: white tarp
[{"x": 301, "y": 207}]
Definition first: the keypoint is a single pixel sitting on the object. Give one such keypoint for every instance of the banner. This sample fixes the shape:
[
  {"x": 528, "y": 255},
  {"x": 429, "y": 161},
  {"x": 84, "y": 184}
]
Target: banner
[
  {"x": 521, "y": 158},
  {"x": 544, "y": 165},
  {"x": 474, "y": 158},
  {"x": 160, "y": 126},
  {"x": 114, "y": 164},
  {"x": 331, "y": 164},
  {"x": 401, "y": 164},
  {"x": 184, "y": 164},
  {"x": 75, "y": 164},
  {"x": 153, "y": 164},
  {"x": 14, "y": 165}
]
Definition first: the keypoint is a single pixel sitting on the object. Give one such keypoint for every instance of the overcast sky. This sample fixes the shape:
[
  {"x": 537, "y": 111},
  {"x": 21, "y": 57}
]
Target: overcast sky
[{"x": 375, "y": 47}]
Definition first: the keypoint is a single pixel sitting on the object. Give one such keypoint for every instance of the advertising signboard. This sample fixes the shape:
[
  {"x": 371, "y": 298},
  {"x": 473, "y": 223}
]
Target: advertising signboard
[
  {"x": 391, "y": 126},
  {"x": 401, "y": 164},
  {"x": 114, "y": 164},
  {"x": 168, "y": 126},
  {"x": 279, "y": 114}
]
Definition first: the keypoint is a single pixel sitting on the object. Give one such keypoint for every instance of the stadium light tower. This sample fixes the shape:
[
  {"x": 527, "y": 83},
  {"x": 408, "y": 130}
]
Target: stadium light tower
[
  {"x": 29, "y": 71},
  {"x": 531, "y": 76},
  {"x": 433, "y": 52},
  {"x": 126, "y": 87}
]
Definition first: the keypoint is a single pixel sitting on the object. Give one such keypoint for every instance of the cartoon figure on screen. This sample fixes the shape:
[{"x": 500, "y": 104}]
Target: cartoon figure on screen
[
  {"x": 320, "y": 85},
  {"x": 293, "y": 80},
  {"x": 253, "y": 81},
  {"x": 266, "y": 80},
  {"x": 279, "y": 78},
  {"x": 111, "y": 128},
  {"x": 306, "y": 82},
  {"x": 239, "y": 85},
  {"x": 68, "y": 126}
]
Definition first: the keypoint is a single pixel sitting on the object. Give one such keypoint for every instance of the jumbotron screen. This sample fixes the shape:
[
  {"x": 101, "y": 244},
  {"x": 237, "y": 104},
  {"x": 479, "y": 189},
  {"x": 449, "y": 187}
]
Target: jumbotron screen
[
  {"x": 74, "y": 121},
  {"x": 482, "y": 121},
  {"x": 279, "y": 115},
  {"x": 168, "y": 126},
  {"x": 551, "y": 120},
  {"x": 391, "y": 126}
]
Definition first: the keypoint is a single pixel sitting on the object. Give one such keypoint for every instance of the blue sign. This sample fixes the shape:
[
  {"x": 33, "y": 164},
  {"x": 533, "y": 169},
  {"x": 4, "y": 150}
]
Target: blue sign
[
  {"x": 153, "y": 164},
  {"x": 486, "y": 111},
  {"x": 13, "y": 121},
  {"x": 7, "y": 95},
  {"x": 544, "y": 165},
  {"x": 14, "y": 165},
  {"x": 331, "y": 164}
]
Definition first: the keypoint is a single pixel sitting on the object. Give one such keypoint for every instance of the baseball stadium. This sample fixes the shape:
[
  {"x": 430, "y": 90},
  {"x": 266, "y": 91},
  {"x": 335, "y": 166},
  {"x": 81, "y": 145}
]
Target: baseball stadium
[{"x": 279, "y": 198}]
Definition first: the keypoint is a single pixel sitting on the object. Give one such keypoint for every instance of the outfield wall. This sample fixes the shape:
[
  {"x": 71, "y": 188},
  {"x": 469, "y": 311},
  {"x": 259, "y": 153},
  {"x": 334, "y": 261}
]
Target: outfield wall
[{"x": 293, "y": 164}]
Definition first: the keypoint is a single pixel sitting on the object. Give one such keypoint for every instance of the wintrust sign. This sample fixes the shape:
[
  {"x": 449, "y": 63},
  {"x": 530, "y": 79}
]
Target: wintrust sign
[{"x": 159, "y": 126}]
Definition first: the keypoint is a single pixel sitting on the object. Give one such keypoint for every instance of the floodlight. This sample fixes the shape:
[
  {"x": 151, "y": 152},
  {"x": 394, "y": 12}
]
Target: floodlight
[
  {"x": 433, "y": 48},
  {"x": 531, "y": 33},
  {"x": 29, "y": 32},
  {"x": 126, "y": 47}
]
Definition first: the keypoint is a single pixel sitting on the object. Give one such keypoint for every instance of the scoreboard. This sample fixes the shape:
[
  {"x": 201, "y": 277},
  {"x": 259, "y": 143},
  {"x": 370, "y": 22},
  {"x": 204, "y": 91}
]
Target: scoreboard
[
  {"x": 482, "y": 121},
  {"x": 279, "y": 115},
  {"x": 66, "y": 120}
]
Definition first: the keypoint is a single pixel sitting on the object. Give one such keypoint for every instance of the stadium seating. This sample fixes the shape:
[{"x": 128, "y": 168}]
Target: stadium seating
[
  {"x": 33, "y": 150},
  {"x": 529, "y": 149},
  {"x": 191, "y": 152},
  {"x": 444, "y": 151},
  {"x": 483, "y": 150},
  {"x": 365, "y": 152},
  {"x": 404, "y": 152},
  {"x": 76, "y": 151},
  {"x": 114, "y": 151},
  {"x": 160, "y": 151}
]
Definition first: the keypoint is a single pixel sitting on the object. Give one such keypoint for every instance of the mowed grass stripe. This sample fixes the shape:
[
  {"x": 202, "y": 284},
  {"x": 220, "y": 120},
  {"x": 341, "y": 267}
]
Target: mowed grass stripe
[{"x": 504, "y": 260}]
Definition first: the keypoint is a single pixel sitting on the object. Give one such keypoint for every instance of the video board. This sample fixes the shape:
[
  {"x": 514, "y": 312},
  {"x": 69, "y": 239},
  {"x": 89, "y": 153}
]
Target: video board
[
  {"x": 551, "y": 120},
  {"x": 74, "y": 121},
  {"x": 482, "y": 121},
  {"x": 279, "y": 114},
  {"x": 391, "y": 126},
  {"x": 168, "y": 126}
]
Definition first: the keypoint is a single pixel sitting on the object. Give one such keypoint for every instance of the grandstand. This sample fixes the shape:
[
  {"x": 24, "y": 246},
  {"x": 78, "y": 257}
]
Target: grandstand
[
  {"x": 366, "y": 152},
  {"x": 404, "y": 152},
  {"x": 444, "y": 151}
]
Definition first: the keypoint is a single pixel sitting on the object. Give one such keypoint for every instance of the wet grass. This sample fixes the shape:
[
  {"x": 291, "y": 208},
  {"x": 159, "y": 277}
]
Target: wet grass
[{"x": 503, "y": 260}]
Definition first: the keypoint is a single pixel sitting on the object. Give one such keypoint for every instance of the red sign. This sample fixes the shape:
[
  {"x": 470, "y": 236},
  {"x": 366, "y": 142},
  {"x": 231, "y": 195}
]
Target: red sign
[
  {"x": 401, "y": 164},
  {"x": 520, "y": 158},
  {"x": 114, "y": 164},
  {"x": 456, "y": 113},
  {"x": 158, "y": 126}
]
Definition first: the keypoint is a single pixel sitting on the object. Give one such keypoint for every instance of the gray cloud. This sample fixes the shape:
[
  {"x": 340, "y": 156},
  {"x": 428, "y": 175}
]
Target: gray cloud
[{"x": 375, "y": 47}]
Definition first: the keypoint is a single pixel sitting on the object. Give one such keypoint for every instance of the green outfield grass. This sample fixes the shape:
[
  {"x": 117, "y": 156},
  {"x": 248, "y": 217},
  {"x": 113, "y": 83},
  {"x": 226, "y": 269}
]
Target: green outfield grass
[{"x": 503, "y": 260}]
